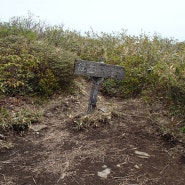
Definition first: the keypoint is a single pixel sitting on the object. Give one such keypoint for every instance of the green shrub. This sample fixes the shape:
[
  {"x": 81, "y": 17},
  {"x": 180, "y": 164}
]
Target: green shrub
[
  {"x": 29, "y": 27},
  {"x": 19, "y": 120},
  {"x": 171, "y": 84},
  {"x": 35, "y": 58},
  {"x": 7, "y": 29},
  {"x": 33, "y": 67}
]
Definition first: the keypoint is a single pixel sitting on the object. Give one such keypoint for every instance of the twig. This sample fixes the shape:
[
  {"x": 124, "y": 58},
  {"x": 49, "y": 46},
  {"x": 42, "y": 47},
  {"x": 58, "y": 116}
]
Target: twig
[
  {"x": 34, "y": 181},
  {"x": 3, "y": 176},
  {"x": 75, "y": 180},
  {"x": 63, "y": 172},
  {"x": 164, "y": 169}
]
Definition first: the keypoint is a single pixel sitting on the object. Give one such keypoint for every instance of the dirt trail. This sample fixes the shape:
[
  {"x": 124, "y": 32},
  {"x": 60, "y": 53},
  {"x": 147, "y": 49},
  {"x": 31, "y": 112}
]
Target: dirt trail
[{"x": 120, "y": 145}]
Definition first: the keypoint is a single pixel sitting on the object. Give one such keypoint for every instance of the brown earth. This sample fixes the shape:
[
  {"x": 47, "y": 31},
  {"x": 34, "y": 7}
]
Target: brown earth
[{"x": 119, "y": 144}]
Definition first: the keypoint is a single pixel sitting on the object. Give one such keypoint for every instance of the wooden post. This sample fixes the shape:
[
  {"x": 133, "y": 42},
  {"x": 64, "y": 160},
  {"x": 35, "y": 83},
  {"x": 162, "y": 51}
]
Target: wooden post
[
  {"x": 94, "y": 93},
  {"x": 97, "y": 71}
]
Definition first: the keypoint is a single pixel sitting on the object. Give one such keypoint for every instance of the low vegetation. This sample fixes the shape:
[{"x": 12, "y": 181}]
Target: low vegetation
[
  {"x": 37, "y": 60},
  {"x": 18, "y": 120}
]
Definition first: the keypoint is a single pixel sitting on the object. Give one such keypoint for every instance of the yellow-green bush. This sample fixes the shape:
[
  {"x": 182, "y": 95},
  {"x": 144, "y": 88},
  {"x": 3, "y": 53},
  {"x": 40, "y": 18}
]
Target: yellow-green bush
[
  {"x": 40, "y": 60},
  {"x": 18, "y": 120},
  {"x": 154, "y": 65},
  {"x": 33, "y": 67},
  {"x": 171, "y": 84}
]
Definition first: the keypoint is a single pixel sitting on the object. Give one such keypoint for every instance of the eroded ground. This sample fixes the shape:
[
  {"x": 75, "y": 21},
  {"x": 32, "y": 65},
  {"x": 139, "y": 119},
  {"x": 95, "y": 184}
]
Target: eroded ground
[{"x": 118, "y": 144}]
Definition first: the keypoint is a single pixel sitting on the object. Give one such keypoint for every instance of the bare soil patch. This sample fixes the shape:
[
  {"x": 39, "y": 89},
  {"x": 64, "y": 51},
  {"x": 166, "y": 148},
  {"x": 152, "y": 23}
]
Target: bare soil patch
[{"x": 118, "y": 144}]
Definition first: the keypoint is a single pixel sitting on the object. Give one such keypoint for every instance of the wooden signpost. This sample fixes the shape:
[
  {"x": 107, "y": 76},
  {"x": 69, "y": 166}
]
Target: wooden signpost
[{"x": 97, "y": 71}]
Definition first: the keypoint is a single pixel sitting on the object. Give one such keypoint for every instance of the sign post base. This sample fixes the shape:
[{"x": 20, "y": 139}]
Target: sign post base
[
  {"x": 98, "y": 71},
  {"x": 94, "y": 93}
]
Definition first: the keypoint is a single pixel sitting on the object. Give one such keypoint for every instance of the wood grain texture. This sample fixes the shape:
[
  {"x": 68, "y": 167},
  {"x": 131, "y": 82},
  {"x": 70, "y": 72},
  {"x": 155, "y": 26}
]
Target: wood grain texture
[{"x": 96, "y": 69}]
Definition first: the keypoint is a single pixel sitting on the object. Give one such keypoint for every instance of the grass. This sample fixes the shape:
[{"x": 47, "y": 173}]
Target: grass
[
  {"x": 37, "y": 59},
  {"x": 18, "y": 120},
  {"x": 5, "y": 145}
]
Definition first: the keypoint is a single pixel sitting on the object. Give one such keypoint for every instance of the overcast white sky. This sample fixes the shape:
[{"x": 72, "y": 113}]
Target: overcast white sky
[{"x": 165, "y": 17}]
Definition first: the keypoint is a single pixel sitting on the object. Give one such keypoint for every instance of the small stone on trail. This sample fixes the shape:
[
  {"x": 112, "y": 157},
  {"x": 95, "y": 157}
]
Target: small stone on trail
[
  {"x": 2, "y": 137},
  {"x": 137, "y": 167},
  {"x": 37, "y": 128},
  {"x": 70, "y": 116},
  {"x": 104, "y": 173}
]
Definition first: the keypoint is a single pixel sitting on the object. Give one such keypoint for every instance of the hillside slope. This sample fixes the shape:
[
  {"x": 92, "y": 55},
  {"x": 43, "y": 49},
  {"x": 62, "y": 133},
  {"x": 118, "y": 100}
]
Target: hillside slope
[{"x": 118, "y": 144}]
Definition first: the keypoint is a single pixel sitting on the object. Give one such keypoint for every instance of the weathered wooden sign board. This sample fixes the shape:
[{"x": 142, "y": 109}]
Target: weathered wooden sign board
[{"x": 97, "y": 71}]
